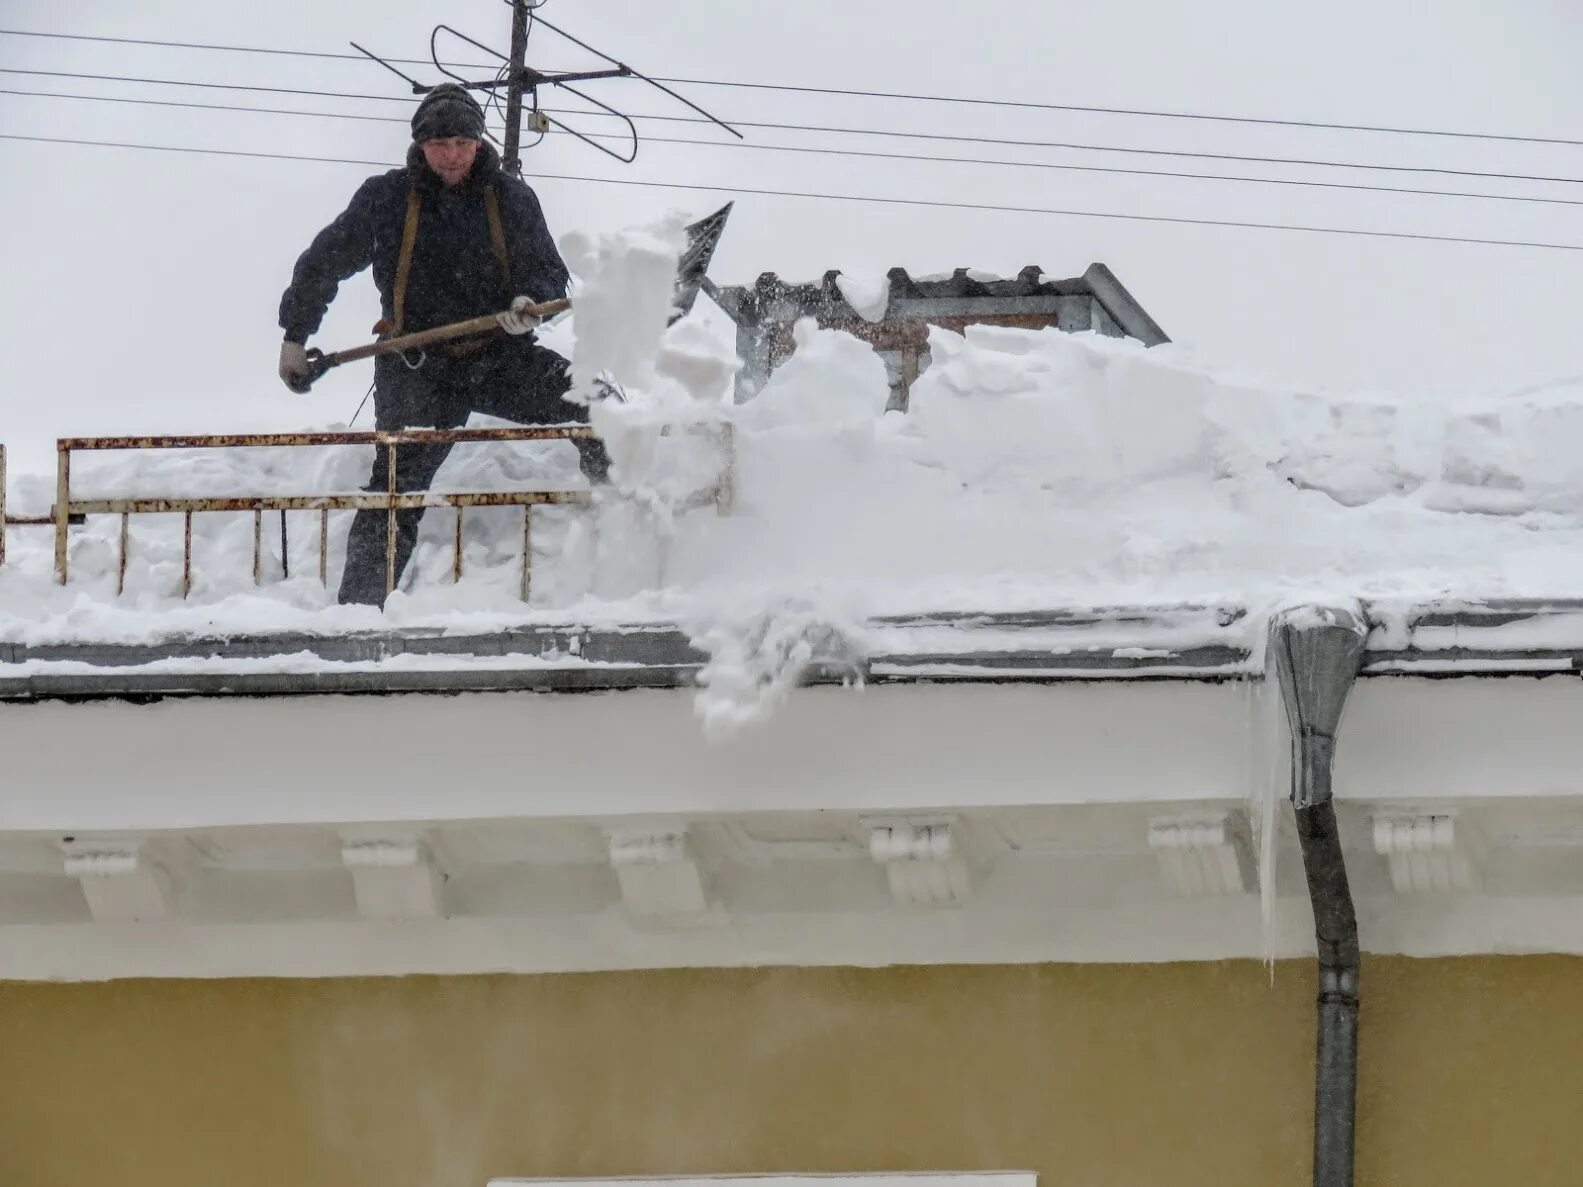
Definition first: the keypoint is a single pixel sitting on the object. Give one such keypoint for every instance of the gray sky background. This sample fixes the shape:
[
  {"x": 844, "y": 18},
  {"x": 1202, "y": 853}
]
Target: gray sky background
[{"x": 140, "y": 288}]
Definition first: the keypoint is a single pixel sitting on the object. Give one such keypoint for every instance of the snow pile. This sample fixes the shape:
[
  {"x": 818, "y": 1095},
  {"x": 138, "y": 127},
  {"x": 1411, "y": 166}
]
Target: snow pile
[
  {"x": 869, "y": 295},
  {"x": 1034, "y": 469},
  {"x": 1007, "y": 407}
]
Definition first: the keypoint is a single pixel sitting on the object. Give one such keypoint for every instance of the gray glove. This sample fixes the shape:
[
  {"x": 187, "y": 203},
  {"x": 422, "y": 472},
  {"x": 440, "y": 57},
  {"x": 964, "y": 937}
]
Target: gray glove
[
  {"x": 517, "y": 319},
  {"x": 294, "y": 369}
]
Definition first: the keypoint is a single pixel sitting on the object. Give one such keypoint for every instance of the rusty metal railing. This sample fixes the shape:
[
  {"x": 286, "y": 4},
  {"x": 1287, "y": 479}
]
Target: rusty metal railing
[
  {"x": 8, "y": 520},
  {"x": 68, "y": 510}
]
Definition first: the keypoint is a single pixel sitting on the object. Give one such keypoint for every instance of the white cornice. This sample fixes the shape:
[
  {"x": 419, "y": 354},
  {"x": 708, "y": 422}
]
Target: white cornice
[{"x": 1053, "y": 822}]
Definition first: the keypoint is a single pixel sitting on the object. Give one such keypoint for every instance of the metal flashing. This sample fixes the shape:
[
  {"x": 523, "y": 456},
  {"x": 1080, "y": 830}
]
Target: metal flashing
[{"x": 1185, "y": 642}]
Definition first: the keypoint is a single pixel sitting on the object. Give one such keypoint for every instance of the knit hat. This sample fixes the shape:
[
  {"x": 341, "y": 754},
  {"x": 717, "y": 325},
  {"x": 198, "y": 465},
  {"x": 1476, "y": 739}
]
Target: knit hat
[{"x": 447, "y": 110}]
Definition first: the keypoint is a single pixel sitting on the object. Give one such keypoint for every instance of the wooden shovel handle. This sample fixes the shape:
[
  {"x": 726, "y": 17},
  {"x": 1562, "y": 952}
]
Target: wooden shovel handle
[{"x": 417, "y": 341}]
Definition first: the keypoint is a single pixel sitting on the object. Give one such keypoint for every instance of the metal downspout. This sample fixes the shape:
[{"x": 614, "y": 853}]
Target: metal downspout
[{"x": 1317, "y": 653}]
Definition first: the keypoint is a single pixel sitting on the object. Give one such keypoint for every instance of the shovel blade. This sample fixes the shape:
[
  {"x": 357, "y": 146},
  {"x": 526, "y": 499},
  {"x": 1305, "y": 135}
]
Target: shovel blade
[{"x": 702, "y": 238}]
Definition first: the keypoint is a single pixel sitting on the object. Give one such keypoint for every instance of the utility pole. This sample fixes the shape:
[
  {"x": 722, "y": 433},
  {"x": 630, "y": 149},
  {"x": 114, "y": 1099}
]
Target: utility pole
[{"x": 511, "y": 159}]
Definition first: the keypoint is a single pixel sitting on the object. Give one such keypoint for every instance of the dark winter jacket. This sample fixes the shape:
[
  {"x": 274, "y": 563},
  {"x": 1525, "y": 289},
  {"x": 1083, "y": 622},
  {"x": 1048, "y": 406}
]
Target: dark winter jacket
[{"x": 455, "y": 274}]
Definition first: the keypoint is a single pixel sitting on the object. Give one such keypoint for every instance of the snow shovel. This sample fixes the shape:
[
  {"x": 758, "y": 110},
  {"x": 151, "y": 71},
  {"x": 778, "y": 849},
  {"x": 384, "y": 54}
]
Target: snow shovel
[
  {"x": 691, "y": 267},
  {"x": 319, "y": 362}
]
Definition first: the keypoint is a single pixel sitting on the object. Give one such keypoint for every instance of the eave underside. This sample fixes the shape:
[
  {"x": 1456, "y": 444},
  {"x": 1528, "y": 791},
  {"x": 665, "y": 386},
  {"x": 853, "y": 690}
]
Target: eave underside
[{"x": 966, "y": 796}]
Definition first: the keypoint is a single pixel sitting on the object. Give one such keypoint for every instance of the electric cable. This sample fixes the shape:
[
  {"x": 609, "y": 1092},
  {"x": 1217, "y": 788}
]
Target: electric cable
[
  {"x": 933, "y": 136},
  {"x": 207, "y": 152},
  {"x": 218, "y": 86},
  {"x": 858, "y": 93},
  {"x": 1104, "y": 169},
  {"x": 339, "y": 115},
  {"x": 858, "y": 153},
  {"x": 916, "y": 202},
  {"x": 1110, "y": 148},
  {"x": 1133, "y": 111}
]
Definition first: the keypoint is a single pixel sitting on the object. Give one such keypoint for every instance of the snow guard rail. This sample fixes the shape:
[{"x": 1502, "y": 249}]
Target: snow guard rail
[{"x": 68, "y": 510}]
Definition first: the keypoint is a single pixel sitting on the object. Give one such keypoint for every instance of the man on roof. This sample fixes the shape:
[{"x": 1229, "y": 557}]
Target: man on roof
[{"x": 450, "y": 237}]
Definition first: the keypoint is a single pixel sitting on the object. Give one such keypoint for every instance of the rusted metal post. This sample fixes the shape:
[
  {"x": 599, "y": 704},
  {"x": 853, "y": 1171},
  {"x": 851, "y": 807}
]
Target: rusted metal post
[
  {"x": 909, "y": 375},
  {"x": 62, "y": 506},
  {"x": 120, "y": 570},
  {"x": 456, "y": 563},
  {"x": 726, "y": 494},
  {"x": 527, "y": 549},
  {"x": 390, "y": 520},
  {"x": 186, "y": 553},
  {"x": 285, "y": 549},
  {"x": 324, "y": 547},
  {"x": 258, "y": 547}
]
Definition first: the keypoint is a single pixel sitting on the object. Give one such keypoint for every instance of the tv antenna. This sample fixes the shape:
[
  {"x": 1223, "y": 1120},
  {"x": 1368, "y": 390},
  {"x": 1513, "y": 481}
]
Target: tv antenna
[{"x": 521, "y": 83}]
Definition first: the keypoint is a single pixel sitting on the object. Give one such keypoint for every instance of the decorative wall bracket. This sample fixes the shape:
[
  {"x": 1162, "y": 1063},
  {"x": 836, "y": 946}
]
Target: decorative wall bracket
[
  {"x": 1204, "y": 856},
  {"x": 394, "y": 879},
  {"x": 120, "y": 879},
  {"x": 658, "y": 873},
  {"x": 1430, "y": 853},
  {"x": 923, "y": 860}
]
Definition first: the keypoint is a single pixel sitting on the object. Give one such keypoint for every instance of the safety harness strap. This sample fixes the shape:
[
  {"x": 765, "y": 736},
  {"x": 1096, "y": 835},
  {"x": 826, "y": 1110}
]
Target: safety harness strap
[
  {"x": 497, "y": 234},
  {"x": 409, "y": 237}
]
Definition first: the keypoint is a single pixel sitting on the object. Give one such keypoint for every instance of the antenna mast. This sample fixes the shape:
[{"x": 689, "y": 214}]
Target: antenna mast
[
  {"x": 511, "y": 156},
  {"x": 522, "y": 82}
]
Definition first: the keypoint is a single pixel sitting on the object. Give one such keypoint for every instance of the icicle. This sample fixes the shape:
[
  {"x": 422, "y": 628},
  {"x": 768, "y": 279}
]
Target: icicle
[{"x": 1267, "y": 767}]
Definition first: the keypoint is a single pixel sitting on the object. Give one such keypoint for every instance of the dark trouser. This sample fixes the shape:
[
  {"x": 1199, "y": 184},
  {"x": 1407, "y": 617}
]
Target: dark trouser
[{"x": 517, "y": 381}]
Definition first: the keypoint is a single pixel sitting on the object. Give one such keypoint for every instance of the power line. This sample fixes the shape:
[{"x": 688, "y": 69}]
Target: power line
[
  {"x": 1112, "y": 170},
  {"x": 1110, "y": 148},
  {"x": 841, "y": 152},
  {"x": 920, "y": 202},
  {"x": 1164, "y": 115},
  {"x": 208, "y": 152},
  {"x": 335, "y": 115},
  {"x": 235, "y": 49},
  {"x": 217, "y": 86},
  {"x": 934, "y": 136},
  {"x": 857, "y": 93}
]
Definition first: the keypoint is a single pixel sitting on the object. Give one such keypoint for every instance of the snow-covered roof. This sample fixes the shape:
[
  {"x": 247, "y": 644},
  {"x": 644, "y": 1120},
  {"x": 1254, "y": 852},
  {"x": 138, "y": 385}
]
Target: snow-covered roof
[{"x": 1037, "y": 475}]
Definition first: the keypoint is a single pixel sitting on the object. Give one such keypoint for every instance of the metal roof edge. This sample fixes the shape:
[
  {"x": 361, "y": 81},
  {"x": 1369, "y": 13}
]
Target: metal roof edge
[
  {"x": 1122, "y": 305},
  {"x": 1440, "y": 639},
  {"x": 773, "y": 299}
]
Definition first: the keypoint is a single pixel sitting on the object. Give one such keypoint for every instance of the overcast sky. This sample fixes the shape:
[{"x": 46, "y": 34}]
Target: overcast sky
[{"x": 140, "y": 288}]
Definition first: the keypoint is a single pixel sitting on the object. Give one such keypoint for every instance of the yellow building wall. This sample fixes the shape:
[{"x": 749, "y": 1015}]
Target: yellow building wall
[{"x": 1091, "y": 1075}]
